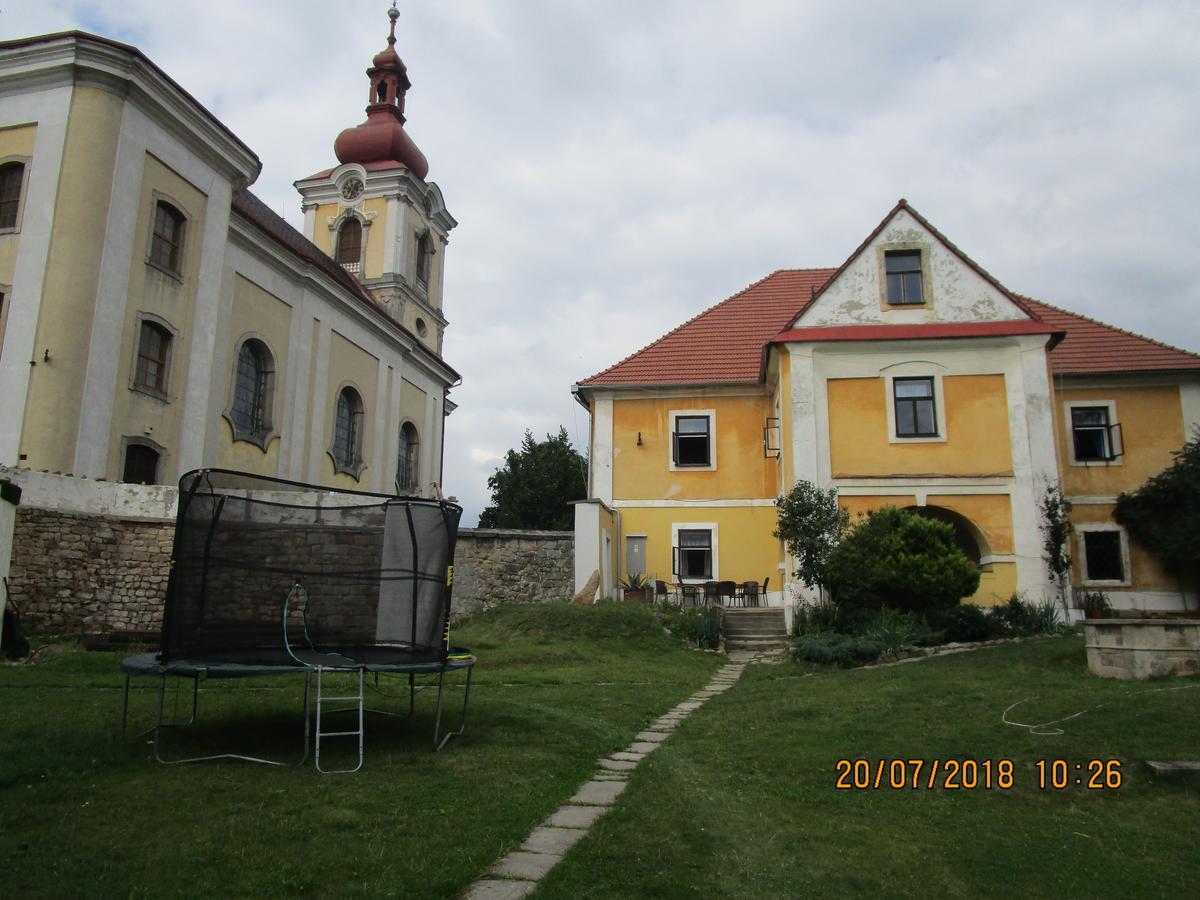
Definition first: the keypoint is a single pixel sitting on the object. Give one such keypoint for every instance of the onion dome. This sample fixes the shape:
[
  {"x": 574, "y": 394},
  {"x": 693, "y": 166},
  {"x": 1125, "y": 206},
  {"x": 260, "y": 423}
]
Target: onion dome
[{"x": 382, "y": 139}]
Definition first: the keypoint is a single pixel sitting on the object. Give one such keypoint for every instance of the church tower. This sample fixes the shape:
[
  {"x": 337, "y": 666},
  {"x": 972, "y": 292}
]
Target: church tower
[{"x": 376, "y": 214}]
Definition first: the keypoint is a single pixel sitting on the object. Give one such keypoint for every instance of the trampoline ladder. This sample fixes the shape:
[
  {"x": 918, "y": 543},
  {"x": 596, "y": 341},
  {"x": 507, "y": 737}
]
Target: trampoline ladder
[{"x": 358, "y": 707}]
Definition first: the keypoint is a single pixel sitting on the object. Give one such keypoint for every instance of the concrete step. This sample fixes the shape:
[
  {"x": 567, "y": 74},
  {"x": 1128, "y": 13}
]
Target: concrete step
[
  {"x": 732, "y": 643},
  {"x": 765, "y": 628}
]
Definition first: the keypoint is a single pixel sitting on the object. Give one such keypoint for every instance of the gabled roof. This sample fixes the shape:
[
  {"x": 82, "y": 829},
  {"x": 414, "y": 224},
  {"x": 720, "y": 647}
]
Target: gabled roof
[
  {"x": 276, "y": 227},
  {"x": 903, "y": 204},
  {"x": 723, "y": 343},
  {"x": 1092, "y": 347}
]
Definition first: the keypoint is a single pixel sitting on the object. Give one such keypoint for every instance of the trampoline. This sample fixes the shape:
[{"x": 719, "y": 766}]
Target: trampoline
[{"x": 270, "y": 577}]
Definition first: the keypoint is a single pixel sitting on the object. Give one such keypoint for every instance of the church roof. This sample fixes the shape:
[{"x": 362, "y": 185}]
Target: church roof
[{"x": 725, "y": 343}]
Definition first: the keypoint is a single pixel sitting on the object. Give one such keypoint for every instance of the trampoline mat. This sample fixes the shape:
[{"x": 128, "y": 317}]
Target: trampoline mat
[{"x": 274, "y": 661}]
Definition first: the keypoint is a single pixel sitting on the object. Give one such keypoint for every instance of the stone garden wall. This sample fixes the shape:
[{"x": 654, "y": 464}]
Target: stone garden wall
[{"x": 92, "y": 558}]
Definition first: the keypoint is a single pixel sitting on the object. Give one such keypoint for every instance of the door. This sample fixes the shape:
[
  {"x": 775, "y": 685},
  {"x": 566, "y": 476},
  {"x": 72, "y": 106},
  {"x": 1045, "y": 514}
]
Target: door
[{"x": 635, "y": 555}]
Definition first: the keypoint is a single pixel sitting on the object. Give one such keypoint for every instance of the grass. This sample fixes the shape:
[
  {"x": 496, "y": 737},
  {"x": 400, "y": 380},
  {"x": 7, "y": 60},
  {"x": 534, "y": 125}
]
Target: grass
[
  {"x": 741, "y": 801},
  {"x": 82, "y": 813}
]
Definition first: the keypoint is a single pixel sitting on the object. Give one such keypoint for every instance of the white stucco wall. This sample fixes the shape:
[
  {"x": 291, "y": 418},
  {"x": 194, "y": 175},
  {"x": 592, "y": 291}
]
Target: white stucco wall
[{"x": 954, "y": 292}]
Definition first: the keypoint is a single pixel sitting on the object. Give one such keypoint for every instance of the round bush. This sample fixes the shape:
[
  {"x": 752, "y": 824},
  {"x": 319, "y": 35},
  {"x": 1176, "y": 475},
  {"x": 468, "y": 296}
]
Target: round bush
[{"x": 901, "y": 560}]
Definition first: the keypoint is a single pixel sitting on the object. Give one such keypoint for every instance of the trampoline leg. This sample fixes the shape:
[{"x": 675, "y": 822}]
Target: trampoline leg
[
  {"x": 195, "y": 697},
  {"x": 437, "y": 721},
  {"x": 307, "y": 716},
  {"x": 158, "y": 712},
  {"x": 412, "y": 693},
  {"x": 125, "y": 707}
]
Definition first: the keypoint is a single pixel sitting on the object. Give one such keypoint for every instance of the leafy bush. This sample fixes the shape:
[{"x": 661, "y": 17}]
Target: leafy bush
[
  {"x": 894, "y": 630},
  {"x": 816, "y": 618},
  {"x": 898, "y": 559},
  {"x": 1020, "y": 618},
  {"x": 964, "y": 623},
  {"x": 838, "y": 649},
  {"x": 1095, "y": 603},
  {"x": 698, "y": 625}
]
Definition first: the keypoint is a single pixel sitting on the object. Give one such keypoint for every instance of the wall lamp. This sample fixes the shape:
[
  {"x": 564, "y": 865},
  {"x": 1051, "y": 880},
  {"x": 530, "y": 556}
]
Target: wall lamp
[{"x": 639, "y": 443}]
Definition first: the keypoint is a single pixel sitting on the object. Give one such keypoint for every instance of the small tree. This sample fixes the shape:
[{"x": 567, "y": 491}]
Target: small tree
[
  {"x": 536, "y": 485},
  {"x": 901, "y": 560},
  {"x": 811, "y": 523},
  {"x": 1164, "y": 513},
  {"x": 1056, "y": 530}
]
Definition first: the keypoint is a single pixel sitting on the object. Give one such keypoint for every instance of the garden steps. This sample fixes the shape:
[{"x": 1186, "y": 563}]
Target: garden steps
[{"x": 754, "y": 629}]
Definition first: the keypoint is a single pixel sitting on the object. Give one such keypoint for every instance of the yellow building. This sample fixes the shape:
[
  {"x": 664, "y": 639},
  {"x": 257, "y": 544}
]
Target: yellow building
[
  {"x": 155, "y": 316},
  {"x": 909, "y": 377}
]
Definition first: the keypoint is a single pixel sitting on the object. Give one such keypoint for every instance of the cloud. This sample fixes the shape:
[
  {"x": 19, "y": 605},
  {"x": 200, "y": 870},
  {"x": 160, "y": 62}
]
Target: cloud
[{"x": 618, "y": 167}]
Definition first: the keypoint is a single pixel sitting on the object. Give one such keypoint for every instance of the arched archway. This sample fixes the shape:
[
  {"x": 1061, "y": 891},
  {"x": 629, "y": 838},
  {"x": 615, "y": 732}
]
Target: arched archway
[{"x": 967, "y": 536}]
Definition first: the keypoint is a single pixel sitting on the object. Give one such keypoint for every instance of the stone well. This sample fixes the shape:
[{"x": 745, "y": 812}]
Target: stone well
[{"x": 1142, "y": 648}]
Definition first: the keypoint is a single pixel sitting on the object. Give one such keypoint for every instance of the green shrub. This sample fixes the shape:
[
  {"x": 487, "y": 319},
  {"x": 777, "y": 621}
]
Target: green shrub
[
  {"x": 1020, "y": 618},
  {"x": 817, "y": 617},
  {"x": 898, "y": 559},
  {"x": 696, "y": 625},
  {"x": 835, "y": 648},
  {"x": 964, "y": 623},
  {"x": 894, "y": 630},
  {"x": 1095, "y": 603}
]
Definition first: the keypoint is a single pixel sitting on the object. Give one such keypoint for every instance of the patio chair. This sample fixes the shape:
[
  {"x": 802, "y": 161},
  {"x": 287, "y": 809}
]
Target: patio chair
[
  {"x": 661, "y": 594},
  {"x": 712, "y": 594},
  {"x": 750, "y": 593},
  {"x": 726, "y": 593},
  {"x": 689, "y": 595},
  {"x": 766, "y": 581}
]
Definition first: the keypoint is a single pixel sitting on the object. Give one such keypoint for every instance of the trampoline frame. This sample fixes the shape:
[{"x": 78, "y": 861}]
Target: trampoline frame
[{"x": 198, "y": 672}]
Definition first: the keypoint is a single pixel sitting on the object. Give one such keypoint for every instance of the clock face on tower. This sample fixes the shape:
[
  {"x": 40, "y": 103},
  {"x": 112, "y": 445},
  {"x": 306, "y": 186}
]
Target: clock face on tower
[{"x": 352, "y": 188}]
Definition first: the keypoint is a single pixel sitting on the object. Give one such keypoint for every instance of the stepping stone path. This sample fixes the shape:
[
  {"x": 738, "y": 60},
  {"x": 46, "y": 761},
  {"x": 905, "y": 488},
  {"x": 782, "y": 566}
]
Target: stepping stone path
[{"x": 518, "y": 873}]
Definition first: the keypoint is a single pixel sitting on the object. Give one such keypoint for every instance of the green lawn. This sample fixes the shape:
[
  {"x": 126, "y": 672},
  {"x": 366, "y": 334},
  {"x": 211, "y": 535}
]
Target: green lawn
[
  {"x": 82, "y": 814},
  {"x": 741, "y": 801}
]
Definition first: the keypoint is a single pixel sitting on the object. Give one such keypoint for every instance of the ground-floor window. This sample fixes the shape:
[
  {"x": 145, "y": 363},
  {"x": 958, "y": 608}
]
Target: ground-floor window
[
  {"x": 693, "y": 556},
  {"x": 1103, "y": 557}
]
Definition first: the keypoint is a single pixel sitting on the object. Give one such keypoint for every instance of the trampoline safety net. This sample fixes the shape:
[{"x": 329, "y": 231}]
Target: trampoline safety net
[{"x": 272, "y": 572}]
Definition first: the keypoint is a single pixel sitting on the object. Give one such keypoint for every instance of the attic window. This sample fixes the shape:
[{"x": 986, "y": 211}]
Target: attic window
[{"x": 903, "y": 270}]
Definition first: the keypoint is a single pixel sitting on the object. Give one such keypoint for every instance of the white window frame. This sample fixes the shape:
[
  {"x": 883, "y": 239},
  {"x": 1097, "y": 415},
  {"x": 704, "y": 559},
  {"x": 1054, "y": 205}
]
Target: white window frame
[
  {"x": 1069, "y": 427},
  {"x": 939, "y": 407},
  {"x": 711, "y": 528},
  {"x": 1081, "y": 544},
  {"x": 712, "y": 440}
]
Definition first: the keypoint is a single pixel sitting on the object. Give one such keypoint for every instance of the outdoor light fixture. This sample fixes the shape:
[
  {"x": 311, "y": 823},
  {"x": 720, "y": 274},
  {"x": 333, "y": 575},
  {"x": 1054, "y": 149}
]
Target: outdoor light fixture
[{"x": 639, "y": 439}]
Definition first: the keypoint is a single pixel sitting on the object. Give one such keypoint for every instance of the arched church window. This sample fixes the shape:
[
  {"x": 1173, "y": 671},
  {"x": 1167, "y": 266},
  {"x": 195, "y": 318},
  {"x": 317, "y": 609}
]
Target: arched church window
[{"x": 349, "y": 244}]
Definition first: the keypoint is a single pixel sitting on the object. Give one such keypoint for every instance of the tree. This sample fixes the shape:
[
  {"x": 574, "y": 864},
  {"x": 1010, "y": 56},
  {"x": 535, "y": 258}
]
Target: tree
[
  {"x": 1164, "y": 513},
  {"x": 897, "y": 559},
  {"x": 536, "y": 484},
  {"x": 1056, "y": 530},
  {"x": 811, "y": 524}
]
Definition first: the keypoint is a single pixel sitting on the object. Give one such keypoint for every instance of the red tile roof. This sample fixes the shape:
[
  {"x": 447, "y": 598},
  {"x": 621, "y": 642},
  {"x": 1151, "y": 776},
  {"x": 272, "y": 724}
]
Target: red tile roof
[
  {"x": 724, "y": 344},
  {"x": 1094, "y": 347}
]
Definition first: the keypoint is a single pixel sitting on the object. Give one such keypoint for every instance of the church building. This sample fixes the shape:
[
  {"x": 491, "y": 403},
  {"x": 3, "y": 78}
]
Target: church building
[{"x": 156, "y": 316}]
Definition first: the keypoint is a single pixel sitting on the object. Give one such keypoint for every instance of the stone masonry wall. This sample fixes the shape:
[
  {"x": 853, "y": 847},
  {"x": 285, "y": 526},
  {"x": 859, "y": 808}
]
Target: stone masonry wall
[
  {"x": 79, "y": 572},
  {"x": 494, "y": 566},
  {"x": 76, "y": 573}
]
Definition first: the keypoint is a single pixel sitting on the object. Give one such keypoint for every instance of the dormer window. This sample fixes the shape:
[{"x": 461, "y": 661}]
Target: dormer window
[{"x": 903, "y": 272}]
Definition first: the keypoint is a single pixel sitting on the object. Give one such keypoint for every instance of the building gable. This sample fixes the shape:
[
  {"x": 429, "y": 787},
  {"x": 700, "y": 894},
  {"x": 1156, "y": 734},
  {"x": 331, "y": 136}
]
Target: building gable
[{"x": 932, "y": 282}]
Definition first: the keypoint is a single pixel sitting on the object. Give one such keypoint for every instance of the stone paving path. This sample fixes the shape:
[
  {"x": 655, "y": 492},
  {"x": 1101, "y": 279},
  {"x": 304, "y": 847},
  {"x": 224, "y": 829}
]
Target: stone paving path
[{"x": 518, "y": 873}]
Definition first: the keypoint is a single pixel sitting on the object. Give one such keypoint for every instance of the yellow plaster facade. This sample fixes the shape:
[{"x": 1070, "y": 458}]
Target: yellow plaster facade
[
  {"x": 976, "y": 436},
  {"x": 1002, "y": 431}
]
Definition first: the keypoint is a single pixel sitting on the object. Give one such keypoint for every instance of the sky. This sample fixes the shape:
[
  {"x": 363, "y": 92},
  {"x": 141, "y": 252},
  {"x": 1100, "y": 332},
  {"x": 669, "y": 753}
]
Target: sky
[{"x": 616, "y": 167}]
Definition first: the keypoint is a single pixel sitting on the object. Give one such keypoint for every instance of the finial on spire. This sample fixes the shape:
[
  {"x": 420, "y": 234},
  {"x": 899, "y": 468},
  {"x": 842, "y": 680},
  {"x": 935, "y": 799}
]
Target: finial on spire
[{"x": 393, "y": 14}]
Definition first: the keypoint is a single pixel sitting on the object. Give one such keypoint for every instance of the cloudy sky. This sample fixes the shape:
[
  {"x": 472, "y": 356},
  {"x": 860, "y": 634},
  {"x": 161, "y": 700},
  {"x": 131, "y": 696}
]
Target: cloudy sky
[{"x": 618, "y": 166}]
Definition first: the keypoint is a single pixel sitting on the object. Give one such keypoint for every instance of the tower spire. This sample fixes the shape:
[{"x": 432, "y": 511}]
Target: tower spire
[{"x": 382, "y": 138}]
